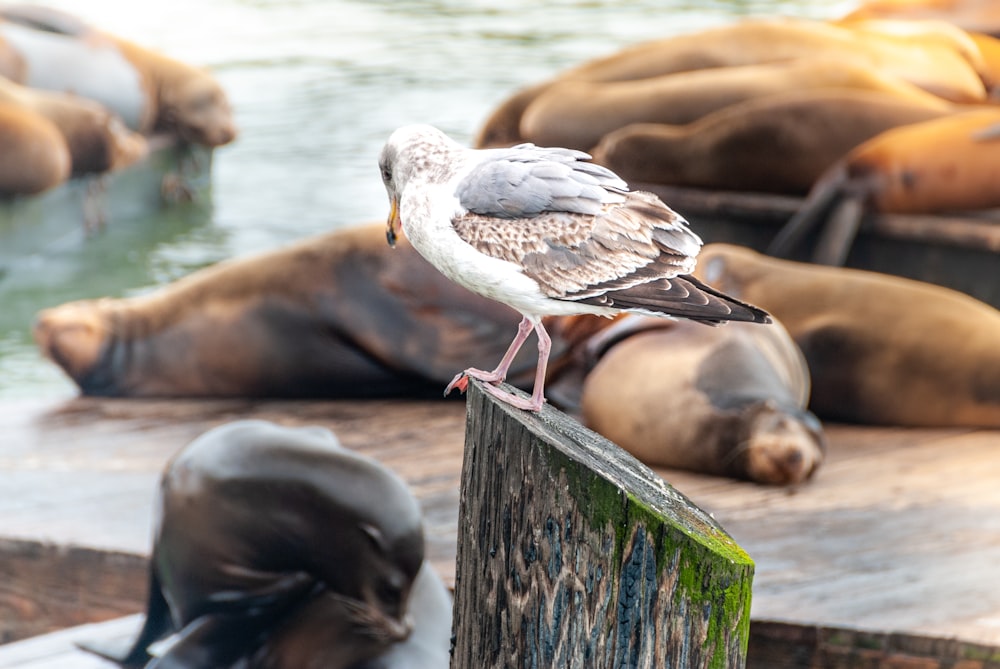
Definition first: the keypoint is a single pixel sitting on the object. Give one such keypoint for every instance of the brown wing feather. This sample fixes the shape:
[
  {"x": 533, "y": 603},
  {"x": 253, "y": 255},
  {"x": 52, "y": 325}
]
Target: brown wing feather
[{"x": 577, "y": 256}]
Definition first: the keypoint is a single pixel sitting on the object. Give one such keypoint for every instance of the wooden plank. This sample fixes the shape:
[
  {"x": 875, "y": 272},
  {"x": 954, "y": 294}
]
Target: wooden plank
[
  {"x": 775, "y": 645},
  {"x": 904, "y": 537},
  {"x": 83, "y": 474},
  {"x": 58, "y": 650},
  {"x": 47, "y": 587},
  {"x": 898, "y": 532},
  {"x": 572, "y": 553}
]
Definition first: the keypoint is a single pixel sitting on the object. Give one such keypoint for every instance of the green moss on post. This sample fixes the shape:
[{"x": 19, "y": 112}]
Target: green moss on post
[{"x": 571, "y": 553}]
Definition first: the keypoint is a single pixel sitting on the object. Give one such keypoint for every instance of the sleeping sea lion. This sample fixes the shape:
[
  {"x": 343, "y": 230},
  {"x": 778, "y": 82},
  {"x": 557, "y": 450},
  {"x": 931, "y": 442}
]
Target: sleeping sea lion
[
  {"x": 728, "y": 401},
  {"x": 35, "y": 155},
  {"x": 97, "y": 139},
  {"x": 577, "y": 114},
  {"x": 330, "y": 316},
  {"x": 264, "y": 533},
  {"x": 776, "y": 144},
  {"x": 974, "y": 15},
  {"x": 150, "y": 91},
  {"x": 938, "y": 66},
  {"x": 881, "y": 350},
  {"x": 946, "y": 164}
]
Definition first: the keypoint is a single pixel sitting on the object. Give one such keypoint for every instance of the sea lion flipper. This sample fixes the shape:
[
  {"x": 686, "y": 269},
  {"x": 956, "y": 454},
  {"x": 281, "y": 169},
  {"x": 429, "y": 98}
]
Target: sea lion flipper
[
  {"x": 157, "y": 625},
  {"x": 838, "y": 235},
  {"x": 209, "y": 642},
  {"x": 273, "y": 590},
  {"x": 827, "y": 190},
  {"x": 218, "y": 640}
]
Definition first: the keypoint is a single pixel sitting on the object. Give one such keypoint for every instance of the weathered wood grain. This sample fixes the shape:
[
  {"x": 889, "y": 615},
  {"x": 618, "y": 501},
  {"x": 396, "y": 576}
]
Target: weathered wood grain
[{"x": 571, "y": 553}]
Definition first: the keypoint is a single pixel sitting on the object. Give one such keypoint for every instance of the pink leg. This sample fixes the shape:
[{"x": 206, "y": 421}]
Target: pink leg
[
  {"x": 500, "y": 373},
  {"x": 538, "y": 393}
]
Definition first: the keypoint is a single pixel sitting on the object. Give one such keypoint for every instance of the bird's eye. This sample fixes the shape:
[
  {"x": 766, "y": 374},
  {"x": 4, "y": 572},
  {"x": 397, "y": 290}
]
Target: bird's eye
[{"x": 386, "y": 174}]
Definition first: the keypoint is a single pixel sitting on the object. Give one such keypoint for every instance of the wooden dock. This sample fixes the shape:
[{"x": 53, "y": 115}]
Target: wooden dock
[{"x": 899, "y": 532}]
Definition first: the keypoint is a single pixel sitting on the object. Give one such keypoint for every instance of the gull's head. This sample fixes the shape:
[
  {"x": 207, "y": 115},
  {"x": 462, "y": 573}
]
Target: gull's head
[{"x": 412, "y": 153}]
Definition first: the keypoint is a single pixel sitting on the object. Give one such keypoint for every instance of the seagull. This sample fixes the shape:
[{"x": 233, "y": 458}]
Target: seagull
[{"x": 546, "y": 232}]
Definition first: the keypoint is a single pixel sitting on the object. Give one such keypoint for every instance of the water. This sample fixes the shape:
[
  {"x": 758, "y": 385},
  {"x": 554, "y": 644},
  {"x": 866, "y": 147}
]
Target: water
[{"x": 317, "y": 86}]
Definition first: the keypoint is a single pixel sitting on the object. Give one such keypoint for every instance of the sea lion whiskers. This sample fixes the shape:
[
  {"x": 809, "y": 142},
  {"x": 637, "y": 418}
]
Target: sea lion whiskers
[{"x": 370, "y": 621}]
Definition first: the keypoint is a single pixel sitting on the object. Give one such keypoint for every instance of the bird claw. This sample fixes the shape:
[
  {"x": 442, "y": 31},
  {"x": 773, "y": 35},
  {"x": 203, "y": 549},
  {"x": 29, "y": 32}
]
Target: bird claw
[{"x": 461, "y": 382}]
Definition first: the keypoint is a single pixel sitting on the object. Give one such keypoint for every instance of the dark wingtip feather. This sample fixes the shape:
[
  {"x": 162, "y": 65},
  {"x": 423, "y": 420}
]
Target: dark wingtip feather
[
  {"x": 742, "y": 311},
  {"x": 682, "y": 296}
]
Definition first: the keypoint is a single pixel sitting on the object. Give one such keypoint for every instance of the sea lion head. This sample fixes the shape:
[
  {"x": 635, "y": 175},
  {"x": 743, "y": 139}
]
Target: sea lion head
[
  {"x": 778, "y": 445},
  {"x": 378, "y": 610},
  {"x": 196, "y": 108}
]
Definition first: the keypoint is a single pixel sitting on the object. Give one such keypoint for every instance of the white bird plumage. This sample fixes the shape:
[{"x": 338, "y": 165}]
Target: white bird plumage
[{"x": 546, "y": 232}]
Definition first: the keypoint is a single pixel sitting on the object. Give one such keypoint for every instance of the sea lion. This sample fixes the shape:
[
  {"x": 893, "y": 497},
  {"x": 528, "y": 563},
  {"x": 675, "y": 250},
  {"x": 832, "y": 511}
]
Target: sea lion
[
  {"x": 973, "y": 15},
  {"x": 928, "y": 31},
  {"x": 263, "y": 532},
  {"x": 304, "y": 640},
  {"x": 881, "y": 350},
  {"x": 577, "y": 114},
  {"x": 937, "y": 66},
  {"x": 776, "y": 144},
  {"x": 150, "y": 91},
  {"x": 330, "y": 316},
  {"x": 35, "y": 155},
  {"x": 97, "y": 139},
  {"x": 728, "y": 401},
  {"x": 946, "y": 164}
]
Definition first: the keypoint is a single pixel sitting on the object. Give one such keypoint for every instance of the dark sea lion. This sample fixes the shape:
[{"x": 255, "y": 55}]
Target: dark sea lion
[
  {"x": 946, "y": 164},
  {"x": 335, "y": 315},
  {"x": 150, "y": 91},
  {"x": 776, "y": 144},
  {"x": 304, "y": 640},
  {"x": 881, "y": 350},
  {"x": 35, "y": 155},
  {"x": 728, "y": 401},
  {"x": 98, "y": 140},
  {"x": 264, "y": 530},
  {"x": 937, "y": 66},
  {"x": 577, "y": 114}
]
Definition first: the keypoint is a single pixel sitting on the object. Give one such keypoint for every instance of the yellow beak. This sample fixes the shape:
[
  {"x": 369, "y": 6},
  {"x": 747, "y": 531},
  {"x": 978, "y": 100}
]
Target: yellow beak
[{"x": 393, "y": 224}]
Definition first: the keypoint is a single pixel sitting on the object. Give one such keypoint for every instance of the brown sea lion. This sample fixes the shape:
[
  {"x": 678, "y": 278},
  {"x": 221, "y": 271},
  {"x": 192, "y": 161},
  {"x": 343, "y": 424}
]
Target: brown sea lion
[
  {"x": 35, "y": 155},
  {"x": 728, "y": 401},
  {"x": 777, "y": 144},
  {"x": 937, "y": 66},
  {"x": 881, "y": 349},
  {"x": 926, "y": 32},
  {"x": 577, "y": 114},
  {"x": 974, "y": 15},
  {"x": 335, "y": 315},
  {"x": 150, "y": 91},
  {"x": 946, "y": 164},
  {"x": 189, "y": 101},
  {"x": 98, "y": 140},
  {"x": 264, "y": 532}
]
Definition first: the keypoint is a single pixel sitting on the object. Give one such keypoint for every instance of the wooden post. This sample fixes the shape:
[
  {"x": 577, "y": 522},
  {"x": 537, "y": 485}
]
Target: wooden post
[{"x": 572, "y": 553}]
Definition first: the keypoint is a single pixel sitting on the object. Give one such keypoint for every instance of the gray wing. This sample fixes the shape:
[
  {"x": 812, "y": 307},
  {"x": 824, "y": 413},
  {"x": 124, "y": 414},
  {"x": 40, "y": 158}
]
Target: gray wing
[
  {"x": 527, "y": 180},
  {"x": 576, "y": 256},
  {"x": 634, "y": 255}
]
